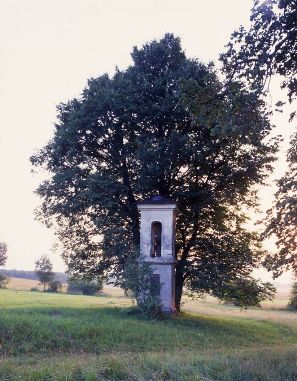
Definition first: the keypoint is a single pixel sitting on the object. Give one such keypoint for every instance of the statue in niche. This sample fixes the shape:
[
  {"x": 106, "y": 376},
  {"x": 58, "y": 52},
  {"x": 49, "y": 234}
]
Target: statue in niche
[{"x": 156, "y": 239}]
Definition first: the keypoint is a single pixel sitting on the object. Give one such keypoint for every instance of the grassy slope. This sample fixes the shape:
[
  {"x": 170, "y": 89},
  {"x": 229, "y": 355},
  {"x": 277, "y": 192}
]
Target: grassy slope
[{"x": 65, "y": 337}]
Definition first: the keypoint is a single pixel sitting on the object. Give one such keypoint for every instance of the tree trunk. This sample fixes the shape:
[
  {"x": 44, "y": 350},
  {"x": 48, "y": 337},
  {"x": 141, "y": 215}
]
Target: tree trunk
[
  {"x": 178, "y": 295},
  {"x": 180, "y": 277},
  {"x": 179, "y": 283}
]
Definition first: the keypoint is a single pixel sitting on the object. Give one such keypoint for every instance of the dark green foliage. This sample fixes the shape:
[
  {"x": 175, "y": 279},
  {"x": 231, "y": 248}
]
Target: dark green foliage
[
  {"x": 246, "y": 292},
  {"x": 34, "y": 289},
  {"x": 166, "y": 125},
  {"x": 55, "y": 286},
  {"x": 137, "y": 285},
  {"x": 43, "y": 269},
  {"x": 77, "y": 285}
]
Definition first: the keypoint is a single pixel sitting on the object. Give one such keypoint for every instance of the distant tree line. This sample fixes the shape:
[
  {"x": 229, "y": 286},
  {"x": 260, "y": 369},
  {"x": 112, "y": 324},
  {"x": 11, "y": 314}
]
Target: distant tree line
[{"x": 23, "y": 274}]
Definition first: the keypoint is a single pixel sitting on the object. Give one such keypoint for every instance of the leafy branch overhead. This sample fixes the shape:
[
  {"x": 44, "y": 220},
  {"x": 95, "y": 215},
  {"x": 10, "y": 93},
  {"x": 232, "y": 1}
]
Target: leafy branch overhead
[
  {"x": 269, "y": 47},
  {"x": 282, "y": 218}
]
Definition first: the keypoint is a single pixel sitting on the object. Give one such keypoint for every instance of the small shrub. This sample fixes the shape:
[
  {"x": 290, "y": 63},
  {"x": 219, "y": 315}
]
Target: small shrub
[
  {"x": 245, "y": 293},
  {"x": 137, "y": 283},
  {"x": 293, "y": 298},
  {"x": 3, "y": 281},
  {"x": 34, "y": 289},
  {"x": 55, "y": 286},
  {"x": 84, "y": 286}
]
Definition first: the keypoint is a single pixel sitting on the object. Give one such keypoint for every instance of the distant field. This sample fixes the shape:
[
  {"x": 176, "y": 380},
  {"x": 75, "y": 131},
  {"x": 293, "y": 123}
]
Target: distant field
[
  {"x": 26, "y": 284},
  {"x": 23, "y": 284},
  {"x": 60, "y": 337},
  {"x": 273, "y": 311}
]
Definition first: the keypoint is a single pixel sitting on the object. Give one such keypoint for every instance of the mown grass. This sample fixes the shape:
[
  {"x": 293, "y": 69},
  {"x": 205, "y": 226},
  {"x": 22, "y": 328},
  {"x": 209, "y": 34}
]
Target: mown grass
[{"x": 64, "y": 337}]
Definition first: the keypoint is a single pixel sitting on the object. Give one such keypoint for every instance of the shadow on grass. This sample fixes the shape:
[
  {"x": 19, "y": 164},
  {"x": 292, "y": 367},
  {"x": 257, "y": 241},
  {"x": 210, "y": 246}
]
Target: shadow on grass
[{"x": 112, "y": 329}]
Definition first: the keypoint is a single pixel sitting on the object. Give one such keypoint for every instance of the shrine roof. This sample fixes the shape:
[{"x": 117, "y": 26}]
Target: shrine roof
[{"x": 156, "y": 199}]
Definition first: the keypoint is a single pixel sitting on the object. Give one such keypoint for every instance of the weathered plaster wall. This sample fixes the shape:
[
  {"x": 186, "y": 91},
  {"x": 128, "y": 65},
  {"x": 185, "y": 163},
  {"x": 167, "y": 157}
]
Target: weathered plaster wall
[{"x": 164, "y": 265}]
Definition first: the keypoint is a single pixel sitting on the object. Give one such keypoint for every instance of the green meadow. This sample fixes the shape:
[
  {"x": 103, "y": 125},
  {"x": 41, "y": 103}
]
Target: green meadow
[{"x": 55, "y": 337}]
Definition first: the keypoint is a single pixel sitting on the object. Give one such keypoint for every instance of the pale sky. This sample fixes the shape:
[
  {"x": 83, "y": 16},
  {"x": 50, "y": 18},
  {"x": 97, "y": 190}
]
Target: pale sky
[{"x": 49, "y": 48}]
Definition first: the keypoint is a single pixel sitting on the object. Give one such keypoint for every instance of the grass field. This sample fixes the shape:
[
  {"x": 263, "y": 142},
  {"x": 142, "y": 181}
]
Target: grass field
[{"x": 66, "y": 337}]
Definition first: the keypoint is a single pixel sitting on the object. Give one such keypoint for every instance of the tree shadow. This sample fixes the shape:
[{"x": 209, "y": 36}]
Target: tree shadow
[{"x": 53, "y": 330}]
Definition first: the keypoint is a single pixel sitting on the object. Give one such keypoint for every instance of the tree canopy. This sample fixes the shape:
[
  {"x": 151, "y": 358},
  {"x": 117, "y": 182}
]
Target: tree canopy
[{"x": 165, "y": 125}]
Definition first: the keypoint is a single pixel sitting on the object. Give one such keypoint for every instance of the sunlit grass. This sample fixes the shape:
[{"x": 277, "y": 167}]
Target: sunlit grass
[{"x": 67, "y": 337}]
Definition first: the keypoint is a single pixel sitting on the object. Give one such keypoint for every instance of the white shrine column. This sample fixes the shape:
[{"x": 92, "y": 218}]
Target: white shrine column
[{"x": 157, "y": 245}]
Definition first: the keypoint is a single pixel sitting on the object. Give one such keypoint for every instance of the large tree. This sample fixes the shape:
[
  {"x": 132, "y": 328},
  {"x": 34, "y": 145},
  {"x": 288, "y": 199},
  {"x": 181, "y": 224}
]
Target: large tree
[
  {"x": 267, "y": 48},
  {"x": 165, "y": 125}
]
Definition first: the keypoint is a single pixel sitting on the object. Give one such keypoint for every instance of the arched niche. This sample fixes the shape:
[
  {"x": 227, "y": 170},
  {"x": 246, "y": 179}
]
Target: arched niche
[{"x": 156, "y": 239}]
